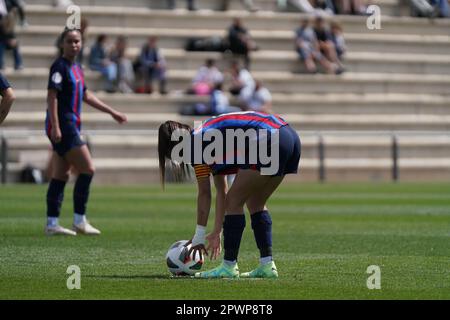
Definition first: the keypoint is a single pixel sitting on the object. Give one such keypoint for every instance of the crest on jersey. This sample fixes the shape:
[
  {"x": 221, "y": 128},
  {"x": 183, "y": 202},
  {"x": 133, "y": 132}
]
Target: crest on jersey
[{"x": 57, "y": 78}]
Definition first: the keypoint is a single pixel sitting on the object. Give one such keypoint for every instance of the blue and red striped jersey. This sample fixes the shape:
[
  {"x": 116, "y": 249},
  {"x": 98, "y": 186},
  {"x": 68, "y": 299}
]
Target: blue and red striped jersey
[
  {"x": 237, "y": 120},
  {"x": 243, "y": 120},
  {"x": 67, "y": 79}
]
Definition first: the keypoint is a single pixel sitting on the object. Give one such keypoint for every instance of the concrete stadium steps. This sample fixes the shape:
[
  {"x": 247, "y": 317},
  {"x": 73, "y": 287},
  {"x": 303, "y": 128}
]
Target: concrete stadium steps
[
  {"x": 267, "y": 5},
  {"x": 35, "y": 101},
  {"x": 144, "y": 171},
  {"x": 36, "y": 57},
  {"x": 422, "y": 156},
  {"x": 277, "y": 40},
  {"x": 98, "y": 121},
  {"x": 138, "y": 17},
  {"x": 277, "y": 82},
  {"x": 415, "y": 145},
  {"x": 388, "y": 7}
]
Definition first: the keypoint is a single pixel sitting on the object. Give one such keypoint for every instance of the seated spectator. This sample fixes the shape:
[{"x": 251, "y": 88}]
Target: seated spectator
[
  {"x": 326, "y": 45},
  {"x": 99, "y": 61},
  {"x": 206, "y": 79},
  {"x": 326, "y": 6},
  {"x": 242, "y": 83},
  {"x": 240, "y": 41},
  {"x": 152, "y": 65},
  {"x": 190, "y": 5},
  {"x": 308, "y": 49},
  {"x": 125, "y": 72},
  {"x": 337, "y": 36},
  {"x": 9, "y": 12},
  {"x": 260, "y": 100},
  {"x": 355, "y": 7},
  {"x": 248, "y": 4},
  {"x": 441, "y": 8},
  {"x": 62, "y": 3},
  {"x": 219, "y": 102},
  {"x": 301, "y": 5}
]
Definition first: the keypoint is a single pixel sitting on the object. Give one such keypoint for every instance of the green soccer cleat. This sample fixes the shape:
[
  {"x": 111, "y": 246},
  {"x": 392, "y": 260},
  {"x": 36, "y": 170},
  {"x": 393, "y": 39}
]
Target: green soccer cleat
[
  {"x": 222, "y": 271},
  {"x": 268, "y": 270}
]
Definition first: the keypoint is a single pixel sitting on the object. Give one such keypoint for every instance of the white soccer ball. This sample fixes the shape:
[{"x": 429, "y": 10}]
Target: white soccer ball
[{"x": 179, "y": 262}]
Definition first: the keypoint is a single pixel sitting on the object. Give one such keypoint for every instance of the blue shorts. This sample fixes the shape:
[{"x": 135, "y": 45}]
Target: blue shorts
[
  {"x": 289, "y": 151},
  {"x": 67, "y": 143}
]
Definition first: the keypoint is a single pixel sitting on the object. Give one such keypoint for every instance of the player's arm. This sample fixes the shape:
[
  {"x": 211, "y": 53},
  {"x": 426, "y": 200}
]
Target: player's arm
[
  {"x": 96, "y": 103},
  {"x": 8, "y": 98},
  {"x": 52, "y": 106},
  {"x": 214, "y": 238},
  {"x": 203, "y": 201},
  {"x": 203, "y": 207}
]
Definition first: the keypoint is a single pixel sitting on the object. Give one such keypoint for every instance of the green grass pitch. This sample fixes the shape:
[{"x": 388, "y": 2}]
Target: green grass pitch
[{"x": 325, "y": 237}]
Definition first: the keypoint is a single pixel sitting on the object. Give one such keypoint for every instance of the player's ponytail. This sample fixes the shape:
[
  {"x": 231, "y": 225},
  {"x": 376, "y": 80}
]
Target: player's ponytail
[{"x": 179, "y": 170}]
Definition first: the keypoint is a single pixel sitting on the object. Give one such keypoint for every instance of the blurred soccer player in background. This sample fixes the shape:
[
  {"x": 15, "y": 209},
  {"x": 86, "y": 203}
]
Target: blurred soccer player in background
[{"x": 66, "y": 92}]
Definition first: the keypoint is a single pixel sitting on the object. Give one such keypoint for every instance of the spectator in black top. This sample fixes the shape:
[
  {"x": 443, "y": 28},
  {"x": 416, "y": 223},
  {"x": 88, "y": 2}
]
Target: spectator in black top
[
  {"x": 240, "y": 41},
  {"x": 326, "y": 44},
  {"x": 152, "y": 65},
  {"x": 190, "y": 5},
  {"x": 7, "y": 98}
]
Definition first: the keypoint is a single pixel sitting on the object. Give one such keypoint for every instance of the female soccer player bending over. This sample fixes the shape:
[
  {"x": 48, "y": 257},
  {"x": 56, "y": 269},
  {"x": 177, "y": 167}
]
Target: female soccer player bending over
[
  {"x": 66, "y": 92},
  {"x": 255, "y": 181}
]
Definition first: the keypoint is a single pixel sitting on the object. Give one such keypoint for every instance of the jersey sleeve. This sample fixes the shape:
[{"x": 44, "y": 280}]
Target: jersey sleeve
[
  {"x": 4, "y": 84},
  {"x": 56, "y": 76},
  {"x": 84, "y": 80},
  {"x": 202, "y": 171}
]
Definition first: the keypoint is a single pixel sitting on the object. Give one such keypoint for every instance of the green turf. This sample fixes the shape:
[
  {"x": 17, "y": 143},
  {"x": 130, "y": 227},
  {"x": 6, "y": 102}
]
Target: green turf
[{"x": 325, "y": 237}]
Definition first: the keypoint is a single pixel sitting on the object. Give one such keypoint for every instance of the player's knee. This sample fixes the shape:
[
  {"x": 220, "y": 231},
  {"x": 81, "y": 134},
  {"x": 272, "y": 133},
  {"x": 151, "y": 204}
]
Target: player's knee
[
  {"x": 62, "y": 176},
  {"x": 233, "y": 204},
  {"x": 90, "y": 170},
  {"x": 254, "y": 206}
]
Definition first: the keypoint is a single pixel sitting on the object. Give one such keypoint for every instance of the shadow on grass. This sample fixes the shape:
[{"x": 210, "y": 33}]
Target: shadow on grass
[{"x": 138, "y": 277}]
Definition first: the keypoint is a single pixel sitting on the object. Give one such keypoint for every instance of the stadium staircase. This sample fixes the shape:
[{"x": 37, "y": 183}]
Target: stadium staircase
[{"x": 396, "y": 92}]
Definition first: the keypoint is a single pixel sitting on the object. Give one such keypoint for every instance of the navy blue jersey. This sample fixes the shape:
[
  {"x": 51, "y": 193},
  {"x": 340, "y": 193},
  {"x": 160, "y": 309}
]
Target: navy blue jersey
[
  {"x": 68, "y": 79},
  {"x": 4, "y": 84}
]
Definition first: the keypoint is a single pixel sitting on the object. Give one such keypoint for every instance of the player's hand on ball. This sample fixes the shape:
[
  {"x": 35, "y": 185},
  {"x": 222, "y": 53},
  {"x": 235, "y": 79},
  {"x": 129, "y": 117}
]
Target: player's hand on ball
[
  {"x": 120, "y": 117},
  {"x": 214, "y": 244},
  {"x": 200, "y": 249}
]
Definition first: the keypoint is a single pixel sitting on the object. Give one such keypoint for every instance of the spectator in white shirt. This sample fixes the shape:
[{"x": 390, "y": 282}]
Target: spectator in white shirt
[
  {"x": 242, "y": 83},
  {"x": 260, "y": 100},
  {"x": 220, "y": 103},
  {"x": 207, "y": 77}
]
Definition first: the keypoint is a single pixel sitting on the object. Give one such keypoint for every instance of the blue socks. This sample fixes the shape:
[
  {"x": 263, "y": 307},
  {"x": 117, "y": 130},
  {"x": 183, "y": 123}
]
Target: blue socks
[
  {"x": 55, "y": 196},
  {"x": 233, "y": 227},
  {"x": 81, "y": 193},
  {"x": 262, "y": 229}
]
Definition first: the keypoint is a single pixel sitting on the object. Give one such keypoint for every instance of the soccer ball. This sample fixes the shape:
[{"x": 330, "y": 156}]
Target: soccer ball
[{"x": 179, "y": 262}]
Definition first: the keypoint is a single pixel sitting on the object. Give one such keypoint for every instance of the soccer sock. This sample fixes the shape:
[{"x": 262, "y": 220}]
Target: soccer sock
[
  {"x": 262, "y": 229},
  {"x": 81, "y": 193},
  {"x": 52, "y": 221},
  {"x": 55, "y": 196},
  {"x": 79, "y": 218},
  {"x": 233, "y": 227}
]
